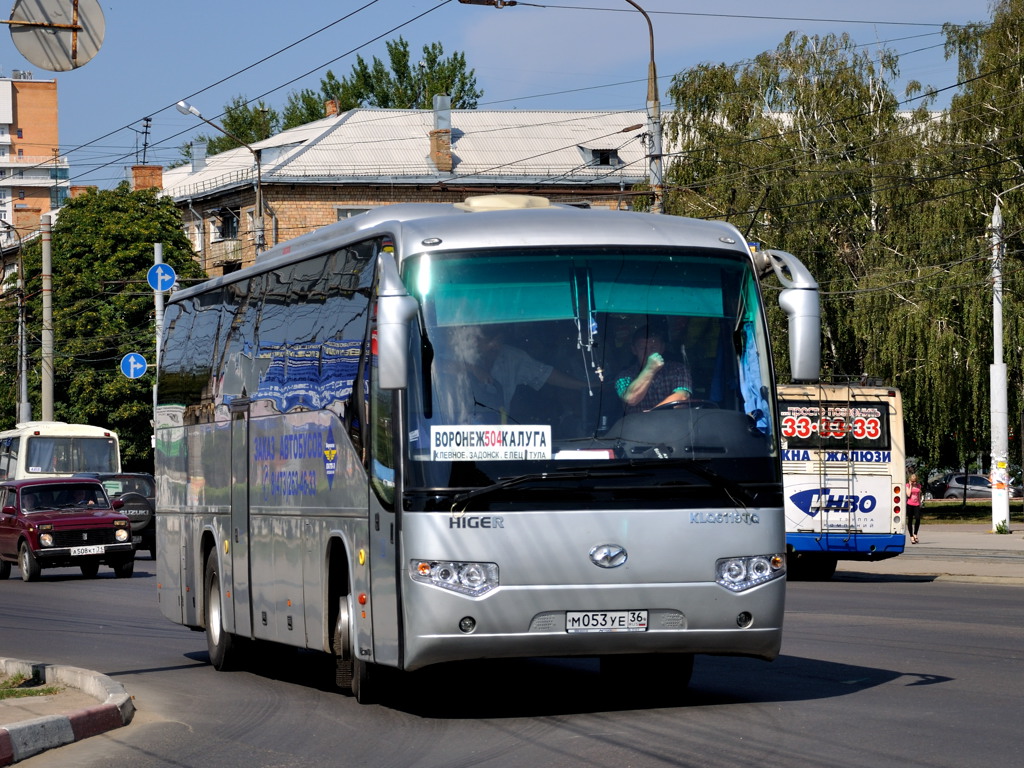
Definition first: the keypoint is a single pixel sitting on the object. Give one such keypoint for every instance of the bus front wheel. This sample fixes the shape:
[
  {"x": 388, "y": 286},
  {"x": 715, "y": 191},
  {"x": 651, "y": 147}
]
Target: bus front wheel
[
  {"x": 351, "y": 673},
  {"x": 219, "y": 643}
]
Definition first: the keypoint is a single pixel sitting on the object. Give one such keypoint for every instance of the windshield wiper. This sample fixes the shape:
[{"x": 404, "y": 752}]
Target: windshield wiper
[
  {"x": 736, "y": 491},
  {"x": 534, "y": 477}
]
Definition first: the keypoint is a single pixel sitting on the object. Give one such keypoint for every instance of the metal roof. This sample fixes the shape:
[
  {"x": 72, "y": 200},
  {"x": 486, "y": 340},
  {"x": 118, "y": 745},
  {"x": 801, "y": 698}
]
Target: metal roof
[{"x": 489, "y": 147}]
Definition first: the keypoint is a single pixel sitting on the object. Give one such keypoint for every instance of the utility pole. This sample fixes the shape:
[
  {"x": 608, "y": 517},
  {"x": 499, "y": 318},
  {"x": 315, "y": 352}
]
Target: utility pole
[
  {"x": 47, "y": 334},
  {"x": 158, "y": 305},
  {"x": 999, "y": 474},
  {"x": 147, "y": 122}
]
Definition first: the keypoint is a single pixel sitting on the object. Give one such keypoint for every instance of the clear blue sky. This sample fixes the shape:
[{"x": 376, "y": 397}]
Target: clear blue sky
[{"x": 566, "y": 54}]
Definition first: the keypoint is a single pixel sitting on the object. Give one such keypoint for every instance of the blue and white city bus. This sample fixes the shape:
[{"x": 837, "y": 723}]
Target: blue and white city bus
[
  {"x": 844, "y": 467},
  {"x": 401, "y": 440}
]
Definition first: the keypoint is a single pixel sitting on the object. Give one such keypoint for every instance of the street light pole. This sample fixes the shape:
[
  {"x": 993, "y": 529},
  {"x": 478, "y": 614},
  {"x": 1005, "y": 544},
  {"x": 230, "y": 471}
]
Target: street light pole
[
  {"x": 653, "y": 121},
  {"x": 260, "y": 244},
  {"x": 653, "y": 107}
]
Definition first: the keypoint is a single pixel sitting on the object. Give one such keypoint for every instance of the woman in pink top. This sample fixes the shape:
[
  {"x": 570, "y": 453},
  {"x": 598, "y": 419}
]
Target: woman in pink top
[{"x": 914, "y": 498}]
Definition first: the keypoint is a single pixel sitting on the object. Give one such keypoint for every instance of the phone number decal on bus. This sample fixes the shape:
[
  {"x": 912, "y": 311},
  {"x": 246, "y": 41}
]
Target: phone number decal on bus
[
  {"x": 522, "y": 442},
  {"x": 834, "y": 427}
]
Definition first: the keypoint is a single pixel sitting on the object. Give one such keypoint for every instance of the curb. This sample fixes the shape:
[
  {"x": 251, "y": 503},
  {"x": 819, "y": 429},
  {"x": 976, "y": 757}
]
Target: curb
[{"x": 25, "y": 739}]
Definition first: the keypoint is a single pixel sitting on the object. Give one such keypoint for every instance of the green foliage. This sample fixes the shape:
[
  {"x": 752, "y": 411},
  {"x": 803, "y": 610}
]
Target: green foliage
[
  {"x": 399, "y": 84},
  {"x": 808, "y": 149},
  {"x": 103, "y": 308}
]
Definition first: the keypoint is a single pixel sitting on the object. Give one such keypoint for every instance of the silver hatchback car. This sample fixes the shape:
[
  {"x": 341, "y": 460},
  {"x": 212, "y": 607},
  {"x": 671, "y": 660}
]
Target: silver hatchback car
[{"x": 973, "y": 486}]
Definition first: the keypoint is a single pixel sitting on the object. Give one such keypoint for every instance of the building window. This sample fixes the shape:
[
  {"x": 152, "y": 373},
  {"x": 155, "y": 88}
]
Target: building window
[
  {"x": 225, "y": 224},
  {"x": 21, "y": 194},
  {"x": 21, "y": 153},
  {"x": 601, "y": 157},
  {"x": 347, "y": 212},
  {"x": 58, "y": 197},
  {"x": 605, "y": 157},
  {"x": 20, "y": 136}
]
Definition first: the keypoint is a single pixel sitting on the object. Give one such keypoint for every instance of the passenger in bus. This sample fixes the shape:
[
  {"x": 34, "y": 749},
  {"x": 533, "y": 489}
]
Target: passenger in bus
[
  {"x": 496, "y": 369},
  {"x": 652, "y": 380}
]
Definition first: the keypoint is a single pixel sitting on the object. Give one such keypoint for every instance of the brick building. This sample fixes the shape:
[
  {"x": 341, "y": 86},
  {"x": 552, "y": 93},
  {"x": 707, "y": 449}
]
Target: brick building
[
  {"x": 319, "y": 173},
  {"x": 33, "y": 176}
]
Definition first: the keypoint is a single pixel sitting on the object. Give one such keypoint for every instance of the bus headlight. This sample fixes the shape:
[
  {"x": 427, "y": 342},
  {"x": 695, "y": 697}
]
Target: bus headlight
[
  {"x": 473, "y": 579},
  {"x": 740, "y": 573}
]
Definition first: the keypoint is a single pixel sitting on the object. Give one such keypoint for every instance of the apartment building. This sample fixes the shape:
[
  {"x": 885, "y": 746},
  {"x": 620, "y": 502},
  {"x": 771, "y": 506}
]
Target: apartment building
[
  {"x": 349, "y": 162},
  {"x": 33, "y": 174}
]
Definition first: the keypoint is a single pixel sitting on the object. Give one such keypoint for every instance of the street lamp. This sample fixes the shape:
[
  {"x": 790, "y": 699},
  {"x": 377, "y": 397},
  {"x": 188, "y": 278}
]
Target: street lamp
[
  {"x": 653, "y": 120},
  {"x": 653, "y": 106},
  {"x": 188, "y": 109}
]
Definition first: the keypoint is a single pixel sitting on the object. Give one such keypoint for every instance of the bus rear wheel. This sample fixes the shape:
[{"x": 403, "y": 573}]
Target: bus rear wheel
[
  {"x": 219, "y": 643},
  {"x": 351, "y": 673}
]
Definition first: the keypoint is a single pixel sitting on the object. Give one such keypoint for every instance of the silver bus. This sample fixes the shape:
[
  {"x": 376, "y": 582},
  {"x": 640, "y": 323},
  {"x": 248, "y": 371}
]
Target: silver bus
[{"x": 412, "y": 438}]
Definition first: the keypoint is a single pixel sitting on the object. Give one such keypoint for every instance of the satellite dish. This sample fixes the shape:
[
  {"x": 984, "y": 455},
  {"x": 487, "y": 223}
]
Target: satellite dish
[{"x": 58, "y": 35}]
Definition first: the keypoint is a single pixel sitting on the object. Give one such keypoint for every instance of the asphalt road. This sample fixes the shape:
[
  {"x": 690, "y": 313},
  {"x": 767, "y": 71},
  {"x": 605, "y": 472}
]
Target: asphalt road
[{"x": 887, "y": 672}]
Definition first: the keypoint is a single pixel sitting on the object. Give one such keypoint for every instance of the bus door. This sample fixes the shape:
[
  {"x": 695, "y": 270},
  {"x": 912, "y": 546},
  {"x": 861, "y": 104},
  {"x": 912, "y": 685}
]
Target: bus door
[{"x": 239, "y": 535}]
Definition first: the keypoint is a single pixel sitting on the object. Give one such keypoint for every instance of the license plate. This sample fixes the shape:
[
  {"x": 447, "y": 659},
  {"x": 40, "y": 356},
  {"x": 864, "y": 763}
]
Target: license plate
[
  {"x": 97, "y": 549},
  {"x": 606, "y": 621}
]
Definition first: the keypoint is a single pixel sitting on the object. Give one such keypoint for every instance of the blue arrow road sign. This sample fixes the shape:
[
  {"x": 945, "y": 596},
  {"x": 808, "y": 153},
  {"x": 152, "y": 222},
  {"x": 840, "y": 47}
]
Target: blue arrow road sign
[
  {"x": 161, "y": 277},
  {"x": 133, "y": 365}
]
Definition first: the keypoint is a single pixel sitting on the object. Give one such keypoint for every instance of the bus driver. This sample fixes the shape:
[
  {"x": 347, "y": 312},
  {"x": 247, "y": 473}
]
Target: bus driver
[{"x": 652, "y": 381}]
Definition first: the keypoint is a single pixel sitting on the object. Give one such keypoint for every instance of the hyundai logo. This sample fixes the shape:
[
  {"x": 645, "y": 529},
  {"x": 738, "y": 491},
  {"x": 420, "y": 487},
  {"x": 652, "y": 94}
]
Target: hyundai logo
[{"x": 608, "y": 555}]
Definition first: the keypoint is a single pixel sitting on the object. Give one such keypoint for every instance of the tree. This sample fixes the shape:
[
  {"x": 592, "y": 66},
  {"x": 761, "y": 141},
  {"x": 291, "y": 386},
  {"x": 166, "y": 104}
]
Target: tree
[
  {"x": 806, "y": 149},
  {"x": 399, "y": 84},
  {"x": 102, "y": 248}
]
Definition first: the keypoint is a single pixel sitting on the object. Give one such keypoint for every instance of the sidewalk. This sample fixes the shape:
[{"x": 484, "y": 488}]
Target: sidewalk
[
  {"x": 90, "y": 704},
  {"x": 952, "y": 552}
]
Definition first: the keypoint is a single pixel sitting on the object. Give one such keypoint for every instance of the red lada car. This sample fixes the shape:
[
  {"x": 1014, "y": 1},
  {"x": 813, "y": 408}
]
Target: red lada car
[{"x": 62, "y": 522}]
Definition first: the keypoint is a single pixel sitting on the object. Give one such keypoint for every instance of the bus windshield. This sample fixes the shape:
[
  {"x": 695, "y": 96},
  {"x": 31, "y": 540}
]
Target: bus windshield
[
  {"x": 541, "y": 360},
  {"x": 47, "y": 455}
]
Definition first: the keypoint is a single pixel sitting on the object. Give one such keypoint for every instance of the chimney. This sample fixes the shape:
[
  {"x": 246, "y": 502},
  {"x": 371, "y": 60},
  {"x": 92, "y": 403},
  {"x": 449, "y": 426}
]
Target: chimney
[
  {"x": 77, "y": 190},
  {"x": 198, "y": 155},
  {"x": 147, "y": 177},
  {"x": 330, "y": 108},
  {"x": 441, "y": 136}
]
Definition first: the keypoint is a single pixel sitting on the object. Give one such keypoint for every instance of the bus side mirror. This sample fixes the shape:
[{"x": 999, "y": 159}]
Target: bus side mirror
[
  {"x": 800, "y": 301},
  {"x": 395, "y": 312}
]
